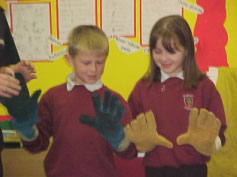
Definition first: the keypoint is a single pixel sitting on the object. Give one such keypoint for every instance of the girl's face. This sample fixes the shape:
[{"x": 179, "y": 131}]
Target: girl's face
[
  {"x": 170, "y": 63},
  {"x": 88, "y": 67}
]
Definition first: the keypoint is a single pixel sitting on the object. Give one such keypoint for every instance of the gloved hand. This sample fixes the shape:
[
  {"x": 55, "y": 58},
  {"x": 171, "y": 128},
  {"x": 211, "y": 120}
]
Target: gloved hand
[
  {"x": 23, "y": 109},
  {"x": 202, "y": 131},
  {"x": 142, "y": 132},
  {"x": 107, "y": 119}
]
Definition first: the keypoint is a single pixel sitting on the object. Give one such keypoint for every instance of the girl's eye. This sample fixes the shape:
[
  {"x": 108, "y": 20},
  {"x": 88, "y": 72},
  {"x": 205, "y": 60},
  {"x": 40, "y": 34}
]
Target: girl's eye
[
  {"x": 173, "y": 52},
  {"x": 156, "y": 51}
]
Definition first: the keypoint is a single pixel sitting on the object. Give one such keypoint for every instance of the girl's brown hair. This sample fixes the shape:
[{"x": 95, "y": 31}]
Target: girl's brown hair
[{"x": 174, "y": 30}]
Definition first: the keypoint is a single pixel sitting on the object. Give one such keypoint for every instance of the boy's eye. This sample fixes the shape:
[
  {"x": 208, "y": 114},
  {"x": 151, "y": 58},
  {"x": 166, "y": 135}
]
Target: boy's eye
[
  {"x": 86, "y": 63},
  {"x": 100, "y": 62}
]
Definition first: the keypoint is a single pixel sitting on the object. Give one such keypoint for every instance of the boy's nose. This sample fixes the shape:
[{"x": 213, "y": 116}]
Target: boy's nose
[{"x": 93, "y": 67}]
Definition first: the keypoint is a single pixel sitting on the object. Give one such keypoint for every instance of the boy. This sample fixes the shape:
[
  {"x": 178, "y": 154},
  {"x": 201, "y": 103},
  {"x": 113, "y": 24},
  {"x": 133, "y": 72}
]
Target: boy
[{"x": 77, "y": 150}]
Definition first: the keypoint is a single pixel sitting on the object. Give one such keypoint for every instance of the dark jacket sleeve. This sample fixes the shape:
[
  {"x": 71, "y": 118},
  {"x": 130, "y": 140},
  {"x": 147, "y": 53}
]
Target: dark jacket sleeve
[{"x": 8, "y": 51}]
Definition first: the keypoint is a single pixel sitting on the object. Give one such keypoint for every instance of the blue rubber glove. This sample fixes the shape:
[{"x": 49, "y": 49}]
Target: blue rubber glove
[
  {"x": 23, "y": 109},
  {"x": 107, "y": 119}
]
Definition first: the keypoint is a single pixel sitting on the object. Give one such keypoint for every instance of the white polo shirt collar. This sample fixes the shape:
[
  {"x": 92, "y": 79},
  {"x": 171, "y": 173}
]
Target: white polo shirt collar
[
  {"x": 90, "y": 87},
  {"x": 165, "y": 76}
]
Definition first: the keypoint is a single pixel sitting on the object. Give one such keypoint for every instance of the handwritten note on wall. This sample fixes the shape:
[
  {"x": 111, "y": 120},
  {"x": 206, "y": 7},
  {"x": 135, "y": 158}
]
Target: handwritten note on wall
[
  {"x": 118, "y": 17},
  {"x": 31, "y": 22},
  {"x": 152, "y": 10},
  {"x": 31, "y": 28},
  {"x": 72, "y": 13}
]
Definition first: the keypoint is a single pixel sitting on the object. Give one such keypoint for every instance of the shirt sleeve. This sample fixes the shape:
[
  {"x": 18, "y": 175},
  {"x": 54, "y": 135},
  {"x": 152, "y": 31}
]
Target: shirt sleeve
[{"x": 8, "y": 52}]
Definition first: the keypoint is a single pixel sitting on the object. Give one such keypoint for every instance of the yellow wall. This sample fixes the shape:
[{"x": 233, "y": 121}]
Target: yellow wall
[
  {"x": 231, "y": 28},
  {"x": 223, "y": 163},
  {"x": 123, "y": 70}
]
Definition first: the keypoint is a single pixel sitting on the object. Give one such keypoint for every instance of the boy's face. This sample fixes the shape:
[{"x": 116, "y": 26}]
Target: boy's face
[{"x": 88, "y": 67}]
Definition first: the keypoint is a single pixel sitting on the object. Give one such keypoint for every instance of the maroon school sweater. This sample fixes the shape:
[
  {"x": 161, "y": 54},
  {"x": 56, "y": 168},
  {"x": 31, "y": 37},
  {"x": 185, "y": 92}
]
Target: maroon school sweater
[
  {"x": 77, "y": 150},
  {"x": 170, "y": 104}
]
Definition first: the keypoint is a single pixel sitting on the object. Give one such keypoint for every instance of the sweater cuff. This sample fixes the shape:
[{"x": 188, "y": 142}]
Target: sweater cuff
[
  {"x": 36, "y": 133},
  {"x": 218, "y": 143}
]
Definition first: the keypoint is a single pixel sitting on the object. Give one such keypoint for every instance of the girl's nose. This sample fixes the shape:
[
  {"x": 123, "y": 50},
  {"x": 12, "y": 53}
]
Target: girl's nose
[{"x": 163, "y": 56}]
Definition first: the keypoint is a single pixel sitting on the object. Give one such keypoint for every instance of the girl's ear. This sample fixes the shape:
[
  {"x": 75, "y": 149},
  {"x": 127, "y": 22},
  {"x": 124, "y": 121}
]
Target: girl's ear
[{"x": 69, "y": 59}]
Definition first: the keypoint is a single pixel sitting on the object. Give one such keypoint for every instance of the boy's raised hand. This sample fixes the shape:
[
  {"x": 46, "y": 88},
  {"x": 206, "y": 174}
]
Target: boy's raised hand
[
  {"x": 202, "y": 131},
  {"x": 23, "y": 109},
  {"x": 142, "y": 132},
  {"x": 107, "y": 119}
]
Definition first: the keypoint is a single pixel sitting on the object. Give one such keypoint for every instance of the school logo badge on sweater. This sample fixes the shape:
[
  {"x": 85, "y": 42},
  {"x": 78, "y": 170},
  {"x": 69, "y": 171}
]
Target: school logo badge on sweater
[{"x": 188, "y": 101}]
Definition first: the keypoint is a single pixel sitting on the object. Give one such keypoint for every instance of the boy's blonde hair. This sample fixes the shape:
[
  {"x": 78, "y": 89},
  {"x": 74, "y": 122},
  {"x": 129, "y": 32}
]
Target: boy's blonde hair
[{"x": 88, "y": 39}]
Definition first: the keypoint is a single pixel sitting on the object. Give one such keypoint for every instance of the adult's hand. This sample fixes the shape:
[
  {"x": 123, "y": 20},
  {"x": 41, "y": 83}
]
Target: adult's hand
[{"x": 9, "y": 85}]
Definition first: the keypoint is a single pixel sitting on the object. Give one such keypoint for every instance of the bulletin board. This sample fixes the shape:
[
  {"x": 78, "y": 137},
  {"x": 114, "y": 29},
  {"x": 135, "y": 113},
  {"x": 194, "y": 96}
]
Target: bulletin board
[{"x": 40, "y": 29}]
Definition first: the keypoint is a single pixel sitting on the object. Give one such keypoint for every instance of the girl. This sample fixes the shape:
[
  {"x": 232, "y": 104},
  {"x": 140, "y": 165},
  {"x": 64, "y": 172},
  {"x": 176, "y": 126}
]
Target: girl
[{"x": 172, "y": 86}]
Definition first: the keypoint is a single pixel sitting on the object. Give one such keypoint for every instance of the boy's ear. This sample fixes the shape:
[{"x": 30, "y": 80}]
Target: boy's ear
[{"x": 69, "y": 59}]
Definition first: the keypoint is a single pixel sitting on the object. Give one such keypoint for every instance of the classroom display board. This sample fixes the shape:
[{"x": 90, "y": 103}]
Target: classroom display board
[{"x": 40, "y": 29}]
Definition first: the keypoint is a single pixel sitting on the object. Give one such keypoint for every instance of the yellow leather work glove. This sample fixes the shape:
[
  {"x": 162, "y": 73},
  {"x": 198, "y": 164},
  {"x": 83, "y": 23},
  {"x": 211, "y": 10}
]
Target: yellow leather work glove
[
  {"x": 203, "y": 130},
  {"x": 142, "y": 132}
]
